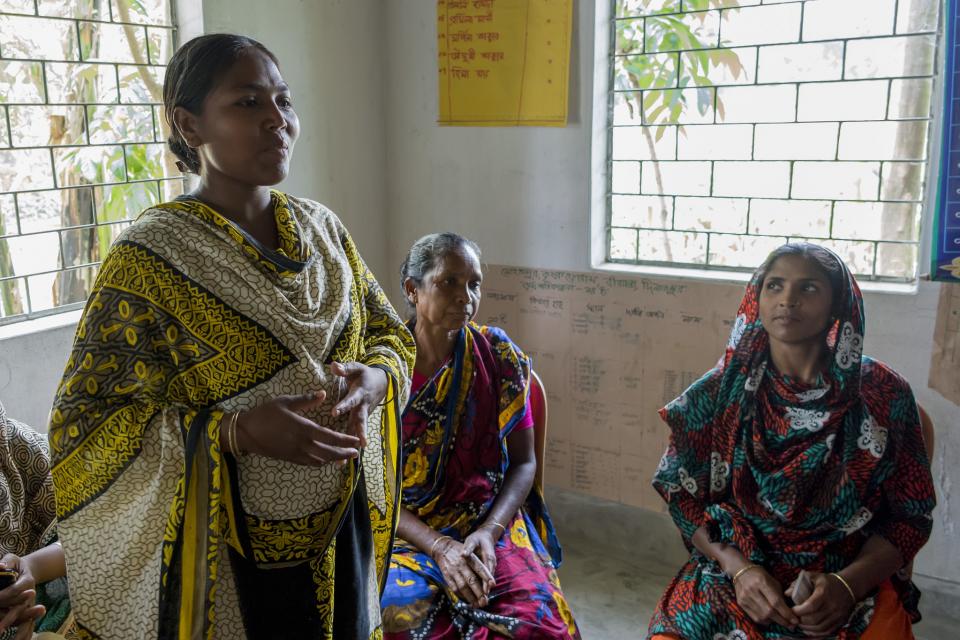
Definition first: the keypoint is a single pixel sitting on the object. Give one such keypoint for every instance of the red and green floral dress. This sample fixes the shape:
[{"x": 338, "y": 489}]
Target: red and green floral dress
[{"x": 795, "y": 476}]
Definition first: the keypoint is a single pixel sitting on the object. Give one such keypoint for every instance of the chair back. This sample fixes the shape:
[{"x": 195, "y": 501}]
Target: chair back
[
  {"x": 538, "y": 403},
  {"x": 926, "y": 426}
]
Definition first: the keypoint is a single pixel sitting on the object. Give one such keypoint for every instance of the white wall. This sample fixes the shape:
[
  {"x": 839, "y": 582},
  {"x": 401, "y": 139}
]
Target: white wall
[
  {"x": 30, "y": 368},
  {"x": 523, "y": 195},
  {"x": 330, "y": 54},
  {"x": 363, "y": 74}
]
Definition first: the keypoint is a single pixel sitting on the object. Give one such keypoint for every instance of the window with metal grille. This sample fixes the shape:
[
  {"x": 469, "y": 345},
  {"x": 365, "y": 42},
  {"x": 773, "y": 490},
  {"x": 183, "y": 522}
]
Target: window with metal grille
[
  {"x": 737, "y": 125},
  {"x": 82, "y": 136}
]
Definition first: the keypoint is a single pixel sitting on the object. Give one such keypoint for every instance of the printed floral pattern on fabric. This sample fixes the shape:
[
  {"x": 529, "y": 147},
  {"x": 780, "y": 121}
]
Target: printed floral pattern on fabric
[
  {"x": 793, "y": 499},
  {"x": 849, "y": 347},
  {"x": 873, "y": 437},
  {"x": 719, "y": 472},
  {"x": 810, "y": 420},
  {"x": 527, "y": 604}
]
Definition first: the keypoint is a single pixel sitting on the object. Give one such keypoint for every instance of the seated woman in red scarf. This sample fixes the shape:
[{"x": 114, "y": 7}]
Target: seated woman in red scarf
[
  {"x": 795, "y": 453},
  {"x": 476, "y": 553}
]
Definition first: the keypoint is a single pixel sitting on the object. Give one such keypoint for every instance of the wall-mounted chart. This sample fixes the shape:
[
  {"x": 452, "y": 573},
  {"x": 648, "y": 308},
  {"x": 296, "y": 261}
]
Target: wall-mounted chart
[{"x": 503, "y": 63}]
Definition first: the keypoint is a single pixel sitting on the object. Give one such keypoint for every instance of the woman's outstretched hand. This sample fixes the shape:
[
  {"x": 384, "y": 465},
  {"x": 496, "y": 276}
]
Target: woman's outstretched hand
[
  {"x": 366, "y": 388},
  {"x": 279, "y": 430}
]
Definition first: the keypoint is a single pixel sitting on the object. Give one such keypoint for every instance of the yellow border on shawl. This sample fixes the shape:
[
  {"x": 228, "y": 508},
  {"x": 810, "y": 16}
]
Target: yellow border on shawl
[
  {"x": 230, "y": 535},
  {"x": 515, "y": 406},
  {"x": 189, "y": 585}
]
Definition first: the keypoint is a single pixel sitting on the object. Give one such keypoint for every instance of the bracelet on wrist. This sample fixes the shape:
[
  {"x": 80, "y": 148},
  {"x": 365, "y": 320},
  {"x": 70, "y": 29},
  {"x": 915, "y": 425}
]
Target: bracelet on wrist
[
  {"x": 436, "y": 541},
  {"x": 742, "y": 571},
  {"x": 846, "y": 585},
  {"x": 493, "y": 523},
  {"x": 232, "y": 442}
]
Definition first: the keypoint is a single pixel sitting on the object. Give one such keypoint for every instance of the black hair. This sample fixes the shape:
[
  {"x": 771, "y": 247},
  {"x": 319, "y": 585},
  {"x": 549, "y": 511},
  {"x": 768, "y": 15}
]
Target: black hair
[
  {"x": 427, "y": 252},
  {"x": 192, "y": 73},
  {"x": 825, "y": 260}
]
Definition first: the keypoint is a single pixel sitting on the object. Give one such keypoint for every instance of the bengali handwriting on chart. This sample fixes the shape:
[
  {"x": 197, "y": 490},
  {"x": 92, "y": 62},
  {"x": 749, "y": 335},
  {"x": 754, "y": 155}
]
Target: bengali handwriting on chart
[
  {"x": 503, "y": 62},
  {"x": 474, "y": 43},
  {"x": 611, "y": 351}
]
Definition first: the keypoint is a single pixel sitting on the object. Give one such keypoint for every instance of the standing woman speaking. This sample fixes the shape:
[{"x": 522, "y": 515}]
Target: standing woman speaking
[{"x": 225, "y": 435}]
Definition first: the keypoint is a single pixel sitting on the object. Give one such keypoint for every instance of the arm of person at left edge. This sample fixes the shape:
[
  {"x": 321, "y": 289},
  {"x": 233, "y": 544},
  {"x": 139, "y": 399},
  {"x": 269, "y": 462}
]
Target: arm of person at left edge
[
  {"x": 47, "y": 564},
  {"x": 43, "y": 565},
  {"x": 517, "y": 483}
]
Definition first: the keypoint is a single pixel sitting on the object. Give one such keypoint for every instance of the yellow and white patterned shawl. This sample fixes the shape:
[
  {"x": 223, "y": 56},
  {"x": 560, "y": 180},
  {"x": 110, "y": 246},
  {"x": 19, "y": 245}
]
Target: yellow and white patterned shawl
[{"x": 189, "y": 318}]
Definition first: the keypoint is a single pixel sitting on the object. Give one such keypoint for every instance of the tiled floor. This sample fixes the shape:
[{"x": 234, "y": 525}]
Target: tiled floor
[{"x": 612, "y": 591}]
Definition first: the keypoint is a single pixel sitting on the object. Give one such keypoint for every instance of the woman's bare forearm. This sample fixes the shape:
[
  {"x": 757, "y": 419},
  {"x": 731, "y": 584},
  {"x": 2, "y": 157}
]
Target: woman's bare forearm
[
  {"x": 47, "y": 564},
  {"x": 516, "y": 487},
  {"x": 877, "y": 561},
  {"x": 416, "y": 531},
  {"x": 517, "y": 481},
  {"x": 729, "y": 557}
]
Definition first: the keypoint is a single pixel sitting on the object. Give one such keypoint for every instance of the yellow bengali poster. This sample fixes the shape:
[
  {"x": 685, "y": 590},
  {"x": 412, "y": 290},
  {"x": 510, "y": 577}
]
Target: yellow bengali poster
[{"x": 503, "y": 63}]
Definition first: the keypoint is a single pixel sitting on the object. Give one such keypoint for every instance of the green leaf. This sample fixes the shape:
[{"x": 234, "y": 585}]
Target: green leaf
[
  {"x": 653, "y": 116},
  {"x": 727, "y": 58}
]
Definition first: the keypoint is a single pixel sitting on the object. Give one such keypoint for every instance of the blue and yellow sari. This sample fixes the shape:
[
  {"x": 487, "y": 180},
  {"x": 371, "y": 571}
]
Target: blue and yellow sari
[{"x": 455, "y": 431}]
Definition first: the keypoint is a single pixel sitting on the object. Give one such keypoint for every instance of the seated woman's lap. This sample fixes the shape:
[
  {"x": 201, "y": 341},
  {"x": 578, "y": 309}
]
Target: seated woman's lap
[
  {"x": 526, "y": 592},
  {"x": 890, "y": 620},
  {"x": 527, "y": 585}
]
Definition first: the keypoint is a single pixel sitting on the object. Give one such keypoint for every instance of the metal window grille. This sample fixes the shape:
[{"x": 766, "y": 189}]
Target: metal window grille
[
  {"x": 736, "y": 126},
  {"x": 82, "y": 141}
]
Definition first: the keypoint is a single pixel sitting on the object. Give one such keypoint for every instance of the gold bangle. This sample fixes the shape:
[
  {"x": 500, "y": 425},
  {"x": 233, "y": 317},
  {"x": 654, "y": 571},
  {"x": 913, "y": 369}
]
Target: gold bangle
[
  {"x": 435, "y": 542},
  {"x": 232, "y": 435},
  {"x": 494, "y": 523},
  {"x": 742, "y": 571},
  {"x": 847, "y": 585},
  {"x": 236, "y": 438}
]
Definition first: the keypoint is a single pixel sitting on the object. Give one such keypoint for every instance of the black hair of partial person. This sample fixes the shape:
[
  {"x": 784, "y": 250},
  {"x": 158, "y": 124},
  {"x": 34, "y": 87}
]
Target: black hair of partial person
[
  {"x": 826, "y": 260},
  {"x": 427, "y": 252},
  {"x": 192, "y": 74}
]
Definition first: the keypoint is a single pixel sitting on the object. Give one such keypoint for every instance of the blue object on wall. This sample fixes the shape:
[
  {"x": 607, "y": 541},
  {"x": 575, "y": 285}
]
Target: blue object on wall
[{"x": 946, "y": 233}]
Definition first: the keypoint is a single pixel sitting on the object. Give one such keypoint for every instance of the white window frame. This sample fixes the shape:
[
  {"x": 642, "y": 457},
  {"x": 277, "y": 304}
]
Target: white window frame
[
  {"x": 187, "y": 20},
  {"x": 601, "y": 130}
]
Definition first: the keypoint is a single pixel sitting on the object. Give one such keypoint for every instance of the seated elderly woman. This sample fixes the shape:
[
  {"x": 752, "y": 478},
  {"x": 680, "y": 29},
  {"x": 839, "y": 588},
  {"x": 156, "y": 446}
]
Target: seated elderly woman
[
  {"x": 476, "y": 554},
  {"x": 795, "y": 453},
  {"x": 34, "y": 592}
]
